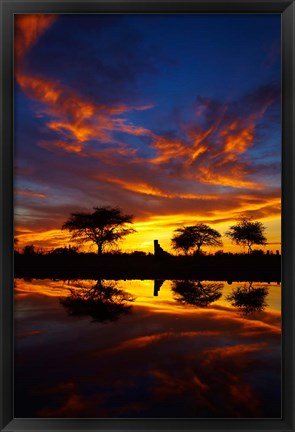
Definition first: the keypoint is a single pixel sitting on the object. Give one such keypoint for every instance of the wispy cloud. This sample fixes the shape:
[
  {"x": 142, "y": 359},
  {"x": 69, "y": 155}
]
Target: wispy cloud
[
  {"x": 75, "y": 118},
  {"x": 29, "y": 193},
  {"x": 28, "y": 29}
]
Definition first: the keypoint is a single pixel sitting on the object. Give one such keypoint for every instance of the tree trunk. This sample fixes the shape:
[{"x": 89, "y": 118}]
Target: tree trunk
[{"x": 99, "y": 248}]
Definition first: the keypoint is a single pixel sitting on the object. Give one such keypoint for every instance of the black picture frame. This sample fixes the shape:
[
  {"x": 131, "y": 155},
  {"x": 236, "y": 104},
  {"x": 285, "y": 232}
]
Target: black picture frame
[{"x": 287, "y": 10}]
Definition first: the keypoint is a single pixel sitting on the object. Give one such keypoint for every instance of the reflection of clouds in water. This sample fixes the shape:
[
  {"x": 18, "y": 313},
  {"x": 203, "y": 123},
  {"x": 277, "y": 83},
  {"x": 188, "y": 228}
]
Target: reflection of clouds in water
[
  {"x": 28, "y": 334},
  {"x": 207, "y": 362},
  {"x": 151, "y": 378}
]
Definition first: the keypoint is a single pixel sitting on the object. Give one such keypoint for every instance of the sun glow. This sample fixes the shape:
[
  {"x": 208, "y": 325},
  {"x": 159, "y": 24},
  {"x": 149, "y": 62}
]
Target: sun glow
[{"x": 154, "y": 228}]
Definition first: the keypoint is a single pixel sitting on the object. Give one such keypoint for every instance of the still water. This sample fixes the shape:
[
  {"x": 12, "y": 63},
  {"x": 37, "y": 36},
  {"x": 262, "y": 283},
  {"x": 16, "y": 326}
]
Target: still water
[{"x": 147, "y": 349}]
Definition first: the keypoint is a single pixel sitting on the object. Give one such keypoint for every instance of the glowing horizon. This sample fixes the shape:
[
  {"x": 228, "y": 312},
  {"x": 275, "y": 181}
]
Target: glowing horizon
[{"x": 143, "y": 239}]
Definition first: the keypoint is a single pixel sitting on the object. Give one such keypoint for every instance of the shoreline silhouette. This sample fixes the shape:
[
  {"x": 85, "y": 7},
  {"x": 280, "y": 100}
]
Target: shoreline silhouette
[{"x": 223, "y": 267}]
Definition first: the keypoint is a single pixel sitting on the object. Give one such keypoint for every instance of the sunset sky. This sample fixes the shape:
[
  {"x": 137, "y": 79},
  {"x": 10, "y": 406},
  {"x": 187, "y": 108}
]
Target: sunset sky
[{"x": 173, "y": 118}]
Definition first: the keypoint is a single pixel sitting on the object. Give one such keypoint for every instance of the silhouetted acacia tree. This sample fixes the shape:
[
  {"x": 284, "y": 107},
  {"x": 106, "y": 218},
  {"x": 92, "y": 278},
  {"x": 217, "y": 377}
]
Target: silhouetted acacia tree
[
  {"x": 192, "y": 238},
  {"x": 197, "y": 293},
  {"x": 247, "y": 233},
  {"x": 105, "y": 226},
  {"x": 248, "y": 299}
]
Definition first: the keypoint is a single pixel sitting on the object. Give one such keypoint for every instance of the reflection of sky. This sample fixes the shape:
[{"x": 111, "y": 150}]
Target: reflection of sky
[
  {"x": 165, "y": 359},
  {"x": 172, "y": 116}
]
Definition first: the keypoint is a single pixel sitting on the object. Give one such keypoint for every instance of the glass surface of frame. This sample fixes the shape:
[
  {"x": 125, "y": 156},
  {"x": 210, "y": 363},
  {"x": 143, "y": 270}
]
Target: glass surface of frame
[{"x": 147, "y": 224}]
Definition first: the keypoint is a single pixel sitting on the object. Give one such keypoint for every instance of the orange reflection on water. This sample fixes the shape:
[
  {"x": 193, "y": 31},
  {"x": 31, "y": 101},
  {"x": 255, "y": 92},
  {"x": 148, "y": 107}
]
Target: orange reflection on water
[
  {"x": 146, "y": 295},
  {"x": 215, "y": 360}
]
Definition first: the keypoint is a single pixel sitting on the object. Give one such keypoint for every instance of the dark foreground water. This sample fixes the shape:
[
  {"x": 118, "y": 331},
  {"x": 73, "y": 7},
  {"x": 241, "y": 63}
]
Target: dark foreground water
[{"x": 152, "y": 349}]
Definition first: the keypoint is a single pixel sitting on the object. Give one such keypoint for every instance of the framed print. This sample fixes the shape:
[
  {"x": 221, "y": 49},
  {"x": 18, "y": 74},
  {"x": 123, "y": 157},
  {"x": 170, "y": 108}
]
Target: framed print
[{"x": 147, "y": 207}]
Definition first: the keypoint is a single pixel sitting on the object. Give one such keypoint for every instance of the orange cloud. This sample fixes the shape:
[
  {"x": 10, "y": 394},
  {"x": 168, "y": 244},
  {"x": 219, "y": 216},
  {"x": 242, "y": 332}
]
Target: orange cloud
[
  {"x": 28, "y": 29},
  {"x": 29, "y": 193},
  {"x": 211, "y": 155},
  {"x": 148, "y": 188},
  {"x": 77, "y": 130},
  {"x": 44, "y": 239},
  {"x": 168, "y": 149},
  {"x": 38, "y": 88},
  {"x": 225, "y": 170},
  {"x": 122, "y": 125},
  {"x": 237, "y": 139},
  {"x": 233, "y": 177},
  {"x": 76, "y": 117},
  {"x": 144, "y": 188},
  {"x": 138, "y": 187},
  {"x": 74, "y": 147}
]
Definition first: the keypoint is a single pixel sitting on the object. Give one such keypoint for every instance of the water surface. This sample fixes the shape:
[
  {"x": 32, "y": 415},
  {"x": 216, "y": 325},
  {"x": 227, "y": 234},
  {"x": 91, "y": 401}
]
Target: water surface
[{"x": 147, "y": 349}]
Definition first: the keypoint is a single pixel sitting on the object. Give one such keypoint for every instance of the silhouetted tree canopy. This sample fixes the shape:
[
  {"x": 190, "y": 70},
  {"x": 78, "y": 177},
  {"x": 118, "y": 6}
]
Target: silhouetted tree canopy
[
  {"x": 29, "y": 250},
  {"x": 247, "y": 233},
  {"x": 105, "y": 226},
  {"x": 197, "y": 293},
  {"x": 192, "y": 238},
  {"x": 102, "y": 301},
  {"x": 249, "y": 299},
  {"x": 65, "y": 251}
]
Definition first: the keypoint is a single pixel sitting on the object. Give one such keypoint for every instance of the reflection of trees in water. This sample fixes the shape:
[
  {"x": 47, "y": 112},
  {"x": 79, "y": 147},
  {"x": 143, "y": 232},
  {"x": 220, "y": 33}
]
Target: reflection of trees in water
[
  {"x": 196, "y": 293},
  {"x": 248, "y": 299},
  {"x": 102, "y": 301}
]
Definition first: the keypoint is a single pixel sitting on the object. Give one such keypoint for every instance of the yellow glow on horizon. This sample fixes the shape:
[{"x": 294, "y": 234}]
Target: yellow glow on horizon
[
  {"x": 154, "y": 228},
  {"x": 46, "y": 240}
]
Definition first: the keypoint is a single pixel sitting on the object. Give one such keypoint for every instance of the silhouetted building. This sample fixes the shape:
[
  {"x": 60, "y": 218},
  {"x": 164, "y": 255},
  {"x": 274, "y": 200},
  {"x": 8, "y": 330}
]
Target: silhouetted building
[{"x": 158, "y": 251}]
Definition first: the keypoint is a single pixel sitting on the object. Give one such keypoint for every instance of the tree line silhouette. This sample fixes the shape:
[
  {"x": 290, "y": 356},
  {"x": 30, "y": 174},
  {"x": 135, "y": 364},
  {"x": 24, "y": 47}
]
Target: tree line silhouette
[{"x": 106, "y": 226}]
